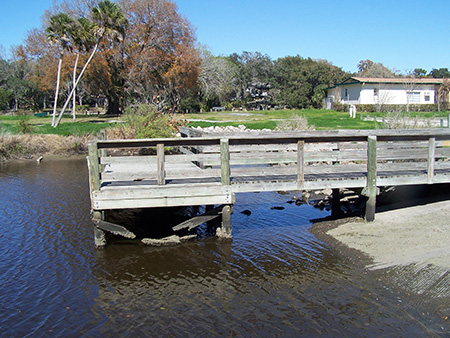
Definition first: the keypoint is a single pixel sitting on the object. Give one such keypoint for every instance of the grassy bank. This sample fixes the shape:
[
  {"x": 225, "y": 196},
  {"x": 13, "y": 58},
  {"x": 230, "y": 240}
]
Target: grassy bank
[
  {"x": 23, "y": 135},
  {"x": 318, "y": 119},
  {"x": 26, "y": 136},
  {"x": 28, "y": 146},
  {"x": 18, "y": 124}
]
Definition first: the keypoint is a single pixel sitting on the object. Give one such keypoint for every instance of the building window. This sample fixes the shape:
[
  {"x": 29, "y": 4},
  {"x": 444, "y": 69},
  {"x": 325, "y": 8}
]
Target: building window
[
  {"x": 427, "y": 97},
  {"x": 413, "y": 97},
  {"x": 346, "y": 93},
  {"x": 375, "y": 92}
]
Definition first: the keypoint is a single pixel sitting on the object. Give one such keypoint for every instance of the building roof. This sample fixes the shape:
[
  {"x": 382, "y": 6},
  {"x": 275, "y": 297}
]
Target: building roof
[
  {"x": 424, "y": 80},
  {"x": 395, "y": 80}
]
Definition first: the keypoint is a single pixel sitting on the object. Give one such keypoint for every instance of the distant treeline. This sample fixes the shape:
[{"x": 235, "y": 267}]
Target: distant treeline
[{"x": 145, "y": 52}]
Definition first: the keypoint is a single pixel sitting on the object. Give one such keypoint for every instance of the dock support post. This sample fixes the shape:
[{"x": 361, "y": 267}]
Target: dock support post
[
  {"x": 336, "y": 203},
  {"x": 94, "y": 185},
  {"x": 161, "y": 164},
  {"x": 371, "y": 189},
  {"x": 225, "y": 161},
  {"x": 225, "y": 230},
  {"x": 99, "y": 234},
  {"x": 431, "y": 159},
  {"x": 101, "y": 135},
  {"x": 300, "y": 164}
]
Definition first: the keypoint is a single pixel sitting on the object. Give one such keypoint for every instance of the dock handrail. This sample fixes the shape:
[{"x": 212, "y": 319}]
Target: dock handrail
[{"x": 352, "y": 145}]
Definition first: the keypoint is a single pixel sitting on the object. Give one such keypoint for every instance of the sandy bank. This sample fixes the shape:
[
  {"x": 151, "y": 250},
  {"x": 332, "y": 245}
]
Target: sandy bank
[
  {"x": 415, "y": 235},
  {"x": 412, "y": 242}
]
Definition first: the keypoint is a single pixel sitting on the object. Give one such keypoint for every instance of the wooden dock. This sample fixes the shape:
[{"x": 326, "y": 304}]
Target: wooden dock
[{"x": 210, "y": 170}]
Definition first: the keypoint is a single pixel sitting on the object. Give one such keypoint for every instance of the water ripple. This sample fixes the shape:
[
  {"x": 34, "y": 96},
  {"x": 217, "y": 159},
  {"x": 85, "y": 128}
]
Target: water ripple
[{"x": 274, "y": 279}]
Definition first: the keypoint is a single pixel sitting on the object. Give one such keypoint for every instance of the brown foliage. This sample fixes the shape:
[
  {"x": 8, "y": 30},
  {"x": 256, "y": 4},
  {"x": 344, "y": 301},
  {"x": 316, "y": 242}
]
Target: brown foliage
[
  {"x": 156, "y": 62},
  {"x": 162, "y": 63}
]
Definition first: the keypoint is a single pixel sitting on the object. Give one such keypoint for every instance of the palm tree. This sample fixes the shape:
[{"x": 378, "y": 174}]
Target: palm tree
[
  {"x": 108, "y": 23},
  {"x": 59, "y": 32},
  {"x": 83, "y": 40}
]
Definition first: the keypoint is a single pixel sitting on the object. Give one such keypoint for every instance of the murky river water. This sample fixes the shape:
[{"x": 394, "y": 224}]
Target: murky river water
[{"x": 275, "y": 279}]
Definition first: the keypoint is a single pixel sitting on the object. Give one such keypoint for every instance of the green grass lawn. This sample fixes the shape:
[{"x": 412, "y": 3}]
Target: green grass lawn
[
  {"x": 42, "y": 125},
  {"x": 320, "y": 119}
]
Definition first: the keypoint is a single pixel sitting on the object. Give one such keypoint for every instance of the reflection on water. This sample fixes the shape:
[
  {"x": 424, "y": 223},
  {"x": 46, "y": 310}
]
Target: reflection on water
[{"x": 274, "y": 279}]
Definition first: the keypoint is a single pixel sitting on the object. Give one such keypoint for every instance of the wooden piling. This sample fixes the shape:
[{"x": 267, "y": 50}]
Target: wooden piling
[
  {"x": 161, "y": 164},
  {"x": 300, "y": 164},
  {"x": 94, "y": 166},
  {"x": 431, "y": 159},
  {"x": 225, "y": 230},
  {"x": 336, "y": 203},
  {"x": 371, "y": 188},
  {"x": 99, "y": 234},
  {"x": 225, "y": 161}
]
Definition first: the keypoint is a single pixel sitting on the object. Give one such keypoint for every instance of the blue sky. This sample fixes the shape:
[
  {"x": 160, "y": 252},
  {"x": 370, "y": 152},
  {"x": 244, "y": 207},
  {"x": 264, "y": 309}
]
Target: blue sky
[{"x": 400, "y": 34}]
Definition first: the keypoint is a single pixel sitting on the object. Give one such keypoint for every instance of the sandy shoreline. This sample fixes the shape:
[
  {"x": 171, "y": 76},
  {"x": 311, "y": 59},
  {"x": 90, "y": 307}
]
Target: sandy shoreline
[
  {"x": 415, "y": 235},
  {"x": 406, "y": 249}
]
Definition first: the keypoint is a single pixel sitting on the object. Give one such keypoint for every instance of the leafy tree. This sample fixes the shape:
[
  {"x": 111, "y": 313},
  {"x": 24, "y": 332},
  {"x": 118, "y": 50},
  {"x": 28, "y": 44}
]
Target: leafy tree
[
  {"x": 16, "y": 81},
  {"x": 151, "y": 60},
  {"x": 109, "y": 27},
  {"x": 368, "y": 68},
  {"x": 218, "y": 78},
  {"x": 161, "y": 62},
  {"x": 440, "y": 73},
  {"x": 419, "y": 72},
  {"x": 442, "y": 95},
  {"x": 302, "y": 82},
  {"x": 5, "y": 98},
  {"x": 363, "y": 66},
  {"x": 251, "y": 67}
]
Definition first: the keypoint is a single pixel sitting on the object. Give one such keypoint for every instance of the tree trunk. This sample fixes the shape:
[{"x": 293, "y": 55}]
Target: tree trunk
[
  {"x": 75, "y": 86},
  {"x": 74, "y": 93},
  {"x": 113, "y": 104},
  {"x": 58, "y": 76}
]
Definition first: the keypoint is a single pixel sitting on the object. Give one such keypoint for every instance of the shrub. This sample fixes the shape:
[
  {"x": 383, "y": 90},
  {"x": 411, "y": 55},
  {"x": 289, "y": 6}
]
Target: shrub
[
  {"x": 340, "y": 106},
  {"x": 23, "y": 123},
  {"x": 189, "y": 105},
  {"x": 366, "y": 108},
  {"x": 145, "y": 122}
]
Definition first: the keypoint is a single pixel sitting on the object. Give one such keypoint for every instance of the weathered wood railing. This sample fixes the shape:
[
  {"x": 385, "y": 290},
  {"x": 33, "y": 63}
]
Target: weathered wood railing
[{"x": 209, "y": 170}]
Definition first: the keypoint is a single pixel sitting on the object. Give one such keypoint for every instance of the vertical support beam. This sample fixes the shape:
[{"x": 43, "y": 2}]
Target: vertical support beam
[
  {"x": 94, "y": 167},
  {"x": 225, "y": 161},
  {"x": 336, "y": 203},
  {"x": 431, "y": 159},
  {"x": 300, "y": 164},
  {"x": 101, "y": 135},
  {"x": 448, "y": 121},
  {"x": 161, "y": 164},
  {"x": 94, "y": 185},
  {"x": 99, "y": 234},
  {"x": 371, "y": 188},
  {"x": 225, "y": 230}
]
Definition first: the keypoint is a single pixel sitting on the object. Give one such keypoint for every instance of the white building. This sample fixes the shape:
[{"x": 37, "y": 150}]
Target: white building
[{"x": 381, "y": 91}]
